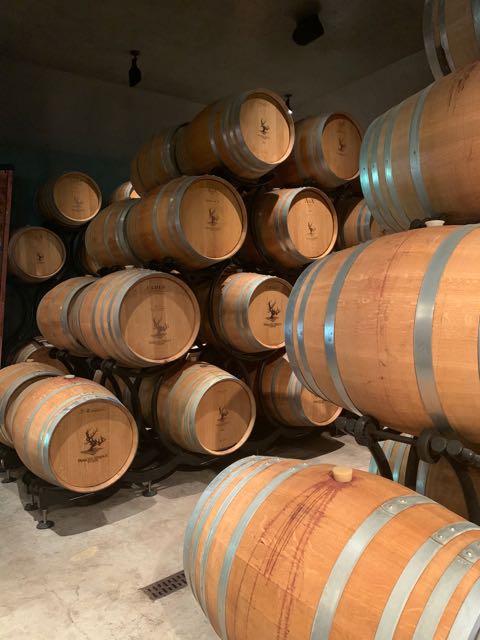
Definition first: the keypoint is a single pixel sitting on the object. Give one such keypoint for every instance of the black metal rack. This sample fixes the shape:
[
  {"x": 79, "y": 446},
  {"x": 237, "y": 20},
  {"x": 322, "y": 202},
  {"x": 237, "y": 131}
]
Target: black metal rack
[{"x": 430, "y": 446}]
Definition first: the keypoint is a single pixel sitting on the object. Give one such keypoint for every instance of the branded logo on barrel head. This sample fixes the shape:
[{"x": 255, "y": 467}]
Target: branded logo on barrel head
[
  {"x": 311, "y": 228},
  {"x": 341, "y": 144},
  {"x": 40, "y": 258},
  {"x": 94, "y": 443},
  {"x": 213, "y": 217},
  {"x": 78, "y": 205},
  {"x": 223, "y": 413},
  {"x": 264, "y": 127},
  {"x": 273, "y": 311},
  {"x": 159, "y": 328}
]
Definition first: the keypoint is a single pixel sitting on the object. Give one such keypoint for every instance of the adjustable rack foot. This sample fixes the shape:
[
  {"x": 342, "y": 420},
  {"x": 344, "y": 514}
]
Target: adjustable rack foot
[
  {"x": 31, "y": 506},
  {"x": 44, "y": 522},
  {"x": 8, "y": 478},
  {"x": 149, "y": 492}
]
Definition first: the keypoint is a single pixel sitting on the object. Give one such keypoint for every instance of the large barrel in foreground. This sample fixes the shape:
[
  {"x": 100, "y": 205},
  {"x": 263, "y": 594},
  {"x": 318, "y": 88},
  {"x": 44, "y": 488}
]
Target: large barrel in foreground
[
  {"x": 13, "y": 380},
  {"x": 196, "y": 221},
  {"x": 140, "y": 318},
  {"x": 451, "y": 33},
  {"x": 73, "y": 433},
  {"x": 35, "y": 254},
  {"x": 326, "y": 152},
  {"x": 437, "y": 481},
  {"x": 421, "y": 159},
  {"x": 72, "y": 199},
  {"x": 291, "y": 227},
  {"x": 282, "y": 549},
  {"x": 390, "y": 329},
  {"x": 247, "y": 134},
  {"x": 201, "y": 408}
]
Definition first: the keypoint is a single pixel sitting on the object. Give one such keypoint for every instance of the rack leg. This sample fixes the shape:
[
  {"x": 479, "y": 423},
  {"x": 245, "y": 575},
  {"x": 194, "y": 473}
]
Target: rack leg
[
  {"x": 149, "y": 492},
  {"x": 8, "y": 478},
  {"x": 44, "y": 523}
]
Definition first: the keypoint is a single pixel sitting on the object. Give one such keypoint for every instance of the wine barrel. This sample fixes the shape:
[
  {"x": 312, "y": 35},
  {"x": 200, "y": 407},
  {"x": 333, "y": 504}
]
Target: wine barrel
[
  {"x": 289, "y": 549},
  {"x": 419, "y": 160},
  {"x": 245, "y": 311},
  {"x": 201, "y": 408},
  {"x": 291, "y": 227},
  {"x": 106, "y": 243},
  {"x": 406, "y": 303},
  {"x": 357, "y": 224},
  {"x": 451, "y": 33},
  {"x": 286, "y": 400},
  {"x": 138, "y": 317},
  {"x": 247, "y": 134},
  {"x": 124, "y": 191},
  {"x": 71, "y": 199},
  {"x": 37, "y": 350},
  {"x": 437, "y": 481},
  {"x": 13, "y": 380},
  {"x": 197, "y": 221},
  {"x": 35, "y": 254},
  {"x": 73, "y": 433},
  {"x": 155, "y": 164},
  {"x": 326, "y": 152},
  {"x": 54, "y": 314}
]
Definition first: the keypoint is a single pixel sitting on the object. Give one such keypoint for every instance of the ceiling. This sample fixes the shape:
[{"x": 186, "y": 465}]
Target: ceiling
[{"x": 203, "y": 49}]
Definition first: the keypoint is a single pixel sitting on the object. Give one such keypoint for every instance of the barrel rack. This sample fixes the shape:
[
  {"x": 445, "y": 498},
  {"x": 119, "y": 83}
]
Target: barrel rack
[{"x": 430, "y": 446}]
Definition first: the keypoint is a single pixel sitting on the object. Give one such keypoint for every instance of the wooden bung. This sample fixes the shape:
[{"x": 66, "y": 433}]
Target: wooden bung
[
  {"x": 106, "y": 243},
  {"x": 37, "y": 350},
  {"x": 35, "y": 254},
  {"x": 436, "y": 481},
  {"x": 279, "y": 549},
  {"x": 247, "y": 134},
  {"x": 54, "y": 315},
  {"x": 71, "y": 199},
  {"x": 73, "y": 433},
  {"x": 246, "y": 311},
  {"x": 140, "y": 318},
  {"x": 291, "y": 227},
  {"x": 285, "y": 400},
  {"x": 196, "y": 221},
  {"x": 326, "y": 152},
  {"x": 155, "y": 164},
  {"x": 420, "y": 159},
  {"x": 13, "y": 380},
  {"x": 451, "y": 35},
  {"x": 201, "y": 408},
  {"x": 356, "y": 223},
  {"x": 389, "y": 329},
  {"x": 124, "y": 191}
]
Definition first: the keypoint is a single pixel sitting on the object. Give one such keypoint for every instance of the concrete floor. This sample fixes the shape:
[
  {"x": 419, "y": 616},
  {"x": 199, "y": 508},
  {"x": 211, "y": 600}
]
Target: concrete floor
[{"x": 81, "y": 579}]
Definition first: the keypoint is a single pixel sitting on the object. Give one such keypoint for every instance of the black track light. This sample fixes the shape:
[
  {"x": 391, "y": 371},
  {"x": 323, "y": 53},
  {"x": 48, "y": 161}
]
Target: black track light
[
  {"x": 287, "y": 102},
  {"x": 134, "y": 73},
  {"x": 308, "y": 29}
]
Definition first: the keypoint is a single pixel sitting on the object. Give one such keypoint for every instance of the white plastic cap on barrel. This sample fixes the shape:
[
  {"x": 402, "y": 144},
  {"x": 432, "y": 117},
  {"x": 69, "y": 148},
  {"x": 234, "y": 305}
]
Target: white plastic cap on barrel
[
  {"x": 342, "y": 474},
  {"x": 435, "y": 223},
  {"x": 69, "y": 376}
]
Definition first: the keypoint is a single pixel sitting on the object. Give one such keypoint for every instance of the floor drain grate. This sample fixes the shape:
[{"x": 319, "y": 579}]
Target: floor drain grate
[{"x": 166, "y": 586}]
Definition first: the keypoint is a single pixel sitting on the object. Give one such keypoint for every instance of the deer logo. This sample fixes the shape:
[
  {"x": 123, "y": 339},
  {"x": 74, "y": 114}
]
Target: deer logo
[
  {"x": 223, "y": 413},
  {"x": 273, "y": 311},
  {"x": 77, "y": 204},
  {"x": 213, "y": 217},
  {"x": 159, "y": 328},
  {"x": 311, "y": 228},
  {"x": 264, "y": 127},
  {"x": 93, "y": 442},
  {"x": 40, "y": 258},
  {"x": 341, "y": 144}
]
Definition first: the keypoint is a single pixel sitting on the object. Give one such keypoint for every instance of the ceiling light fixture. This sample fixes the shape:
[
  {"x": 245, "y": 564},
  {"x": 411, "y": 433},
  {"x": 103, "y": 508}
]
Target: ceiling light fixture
[
  {"x": 287, "y": 102},
  {"x": 308, "y": 29},
  {"x": 134, "y": 73}
]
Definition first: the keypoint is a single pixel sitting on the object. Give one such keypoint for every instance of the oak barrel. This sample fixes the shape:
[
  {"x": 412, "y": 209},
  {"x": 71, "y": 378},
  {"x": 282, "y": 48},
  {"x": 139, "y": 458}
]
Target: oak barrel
[
  {"x": 138, "y": 317},
  {"x": 247, "y": 134},
  {"x": 106, "y": 243},
  {"x": 197, "y": 221},
  {"x": 37, "y": 350},
  {"x": 437, "y": 481},
  {"x": 71, "y": 199},
  {"x": 420, "y": 159},
  {"x": 73, "y": 433},
  {"x": 286, "y": 400},
  {"x": 54, "y": 314},
  {"x": 124, "y": 191},
  {"x": 389, "y": 329},
  {"x": 282, "y": 549},
  {"x": 326, "y": 152},
  {"x": 246, "y": 311},
  {"x": 291, "y": 227},
  {"x": 154, "y": 164},
  {"x": 451, "y": 33},
  {"x": 13, "y": 380},
  {"x": 35, "y": 254},
  {"x": 201, "y": 408},
  {"x": 356, "y": 223}
]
